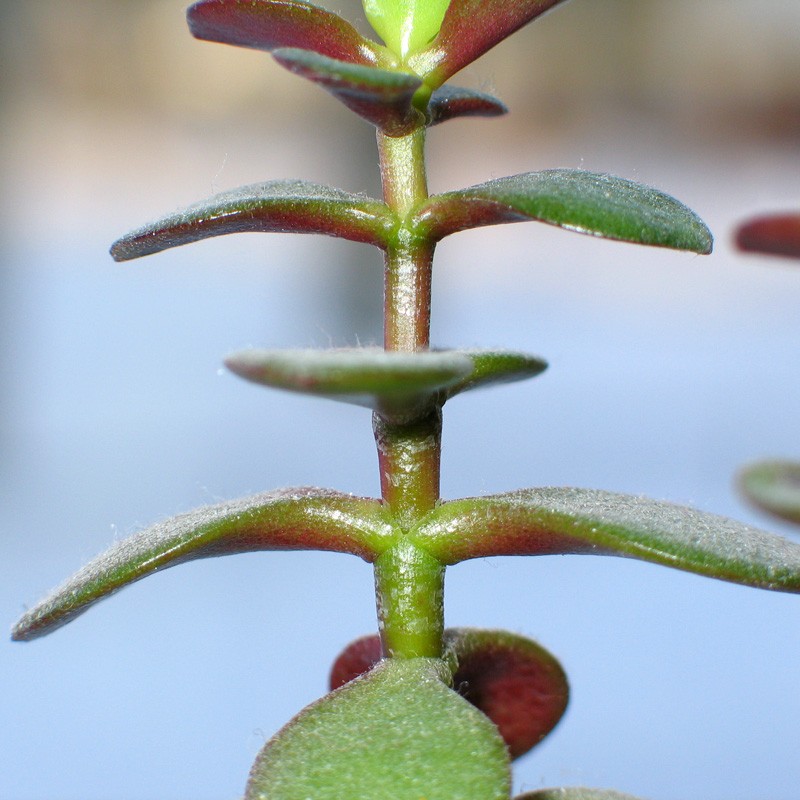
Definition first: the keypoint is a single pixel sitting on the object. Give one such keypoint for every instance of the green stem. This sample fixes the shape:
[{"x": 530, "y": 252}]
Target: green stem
[{"x": 409, "y": 583}]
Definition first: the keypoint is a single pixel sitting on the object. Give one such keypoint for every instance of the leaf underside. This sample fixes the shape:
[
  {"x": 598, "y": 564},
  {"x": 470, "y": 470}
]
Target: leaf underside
[
  {"x": 566, "y": 520},
  {"x": 450, "y": 102},
  {"x": 774, "y": 234},
  {"x": 272, "y": 207},
  {"x": 291, "y": 519},
  {"x": 601, "y": 205},
  {"x": 774, "y": 486},
  {"x": 397, "y": 732}
]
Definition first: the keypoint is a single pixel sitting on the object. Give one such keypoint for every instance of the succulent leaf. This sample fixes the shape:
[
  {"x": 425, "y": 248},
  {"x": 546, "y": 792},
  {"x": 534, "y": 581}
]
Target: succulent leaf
[
  {"x": 585, "y": 202},
  {"x": 381, "y": 97},
  {"x": 290, "y": 519},
  {"x": 399, "y": 731},
  {"x": 565, "y": 520},
  {"x": 512, "y": 680},
  {"x": 269, "y": 24},
  {"x": 271, "y": 207},
  {"x": 450, "y": 102},
  {"x": 774, "y": 486},
  {"x": 468, "y": 30},
  {"x": 774, "y": 234},
  {"x": 493, "y": 367},
  {"x": 574, "y": 793},
  {"x": 406, "y": 25}
]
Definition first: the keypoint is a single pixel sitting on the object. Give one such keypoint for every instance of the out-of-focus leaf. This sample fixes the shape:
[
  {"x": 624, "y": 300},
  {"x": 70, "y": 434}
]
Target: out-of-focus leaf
[
  {"x": 450, "y": 102},
  {"x": 775, "y": 234},
  {"x": 271, "y": 207},
  {"x": 405, "y": 25},
  {"x": 585, "y": 202},
  {"x": 566, "y": 520},
  {"x": 269, "y": 24},
  {"x": 515, "y": 682},
  {"x": 774, "y": 486},
  {"x": 469, "y": 29},
  {"x": 291, "y": 519},
  {"x": 574, "y": 793},
  {"x": 398, "y": 732},
  {"x": 382, "y": 97}
]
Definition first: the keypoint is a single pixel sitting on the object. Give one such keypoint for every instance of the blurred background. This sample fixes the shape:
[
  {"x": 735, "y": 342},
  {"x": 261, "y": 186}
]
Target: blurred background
[{"x": 668, "y": 372}]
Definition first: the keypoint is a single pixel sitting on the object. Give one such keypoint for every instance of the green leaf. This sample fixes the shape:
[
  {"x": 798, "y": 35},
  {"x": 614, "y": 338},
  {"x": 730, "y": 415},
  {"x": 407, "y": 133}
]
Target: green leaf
[
  {"x": 398, "y": 732},
  {"x": 450, "y": 102},
  {"x": 564, "y": 520},
  {"x": 512, "y": 680},
  {"x": 406, "y": 25},
  {"x": 401, "y": 386},
  {"x": 774, "y": 486},
  {"x": 585, "y": 202},
  {"x": 271, "y": 207},
  {"x": 774, "y": 234},
  {"x": 574, "y": 793},
  {"x": 381, "y": 97},
  {"x": 291, "y": 519},
  {"x": 270, "y": 24},
  {"x": 468, "y": 30}
]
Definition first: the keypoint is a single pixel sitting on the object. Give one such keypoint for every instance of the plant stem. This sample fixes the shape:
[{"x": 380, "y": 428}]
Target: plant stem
[{"x": 409, "y": 583}]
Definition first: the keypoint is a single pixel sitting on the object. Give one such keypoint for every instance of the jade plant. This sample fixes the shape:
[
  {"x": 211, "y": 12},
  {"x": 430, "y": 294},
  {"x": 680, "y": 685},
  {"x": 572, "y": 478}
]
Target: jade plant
[
  {"x": 772, "y": 485},
  {"x": 416, "y": 710}
]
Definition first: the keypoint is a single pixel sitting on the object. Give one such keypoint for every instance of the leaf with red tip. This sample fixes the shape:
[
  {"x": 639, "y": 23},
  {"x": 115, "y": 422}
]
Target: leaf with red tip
[
  {"x": 584, "y": 202},
  {"x": 291, "y": 519},
  {"x": 469, "y": 29},
  {"x": 515, "y": 682},
  {"x": 451, "y": 102},
  {"x": 271, "y": 207},
  {"x": 381, "y": 97},
  {"x": 575, "y": 793},
  {"x": 269, "y": 24},
  {"x": 774, "y": 234},
  {"x": 564, "y": 520},
  {"x": 774, "y": 486}
]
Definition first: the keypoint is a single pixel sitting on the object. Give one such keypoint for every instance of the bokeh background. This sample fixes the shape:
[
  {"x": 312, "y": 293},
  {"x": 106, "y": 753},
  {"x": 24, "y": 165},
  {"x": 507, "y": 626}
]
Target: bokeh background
[{"x": 668, "y": 372}]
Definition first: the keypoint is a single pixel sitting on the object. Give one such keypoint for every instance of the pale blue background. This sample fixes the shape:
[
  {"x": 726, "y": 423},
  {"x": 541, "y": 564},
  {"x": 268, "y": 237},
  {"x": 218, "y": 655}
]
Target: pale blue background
[{"x": 668, "y": 372}]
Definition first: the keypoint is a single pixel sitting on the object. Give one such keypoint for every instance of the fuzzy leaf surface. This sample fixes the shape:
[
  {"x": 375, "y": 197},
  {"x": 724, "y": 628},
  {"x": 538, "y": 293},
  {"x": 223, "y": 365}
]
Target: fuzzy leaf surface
[
  {"x": 450, "y": 102},
  {"x": 291, "y": 519},
  {"x": 512, "y": 680},
  {"x": 468, "y": 30},
  {"x": 574, "y": 793},
  {"x": 566, "y": 520},
  {"x": 774, "y": 486},
  {"x": 586, "y": 202},
  {"x": 775, "y": 234},
  {"x": 271, "y": 207},
  {"x": 269, "y": 24},
  {"x": 381, "y": 97},
  {"x": 397, "y": 732}
]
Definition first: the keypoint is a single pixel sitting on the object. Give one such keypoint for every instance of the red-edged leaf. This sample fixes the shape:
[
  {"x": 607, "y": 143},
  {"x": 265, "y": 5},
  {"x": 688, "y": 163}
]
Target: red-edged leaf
[
  {"x": 515, "y": 682},
  {"x": 269, "y": 24},
  {"x": 275, "y": 206},
  {"x": 382, "y": 97},
  {"x": 565, "y": 520},
  {"x": 469, "y": 29},
  {"x": 775, "y": 234},
  {"x": 291, "y": 519},
  {"x": 585, "y": 202},
  {"x": 450, "y": 102}
]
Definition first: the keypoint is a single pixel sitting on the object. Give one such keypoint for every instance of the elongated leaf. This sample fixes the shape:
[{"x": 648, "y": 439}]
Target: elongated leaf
[
  {"x": 291, "y": 519},
  {"x": 774, "y": 486},
  {"x": 469, "y": 29},
  {"x": 775, "y": 234},
  {"x": 381, "y": 97},
  {"x": 398, "y": 732},
  {"x": 565, "y": 520},
  {"x": 585, "y": 202},
  {"x": 272, "y": 207},
  {"x": 515, "y": 682},
  {"x": 574, "y": 793},
  {"x": 450, "y": 102},
  {"x": 269, "y": 24},
  {"x": 401, "y": 386}
]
